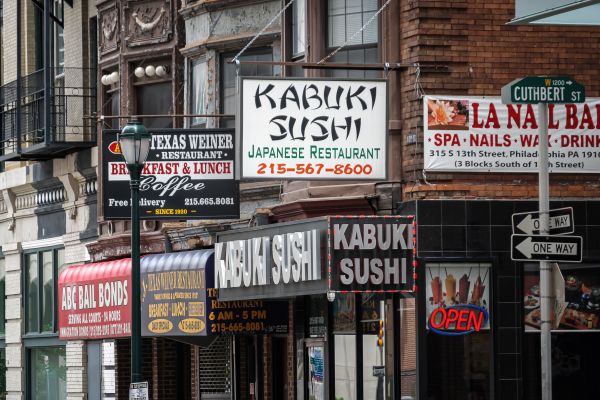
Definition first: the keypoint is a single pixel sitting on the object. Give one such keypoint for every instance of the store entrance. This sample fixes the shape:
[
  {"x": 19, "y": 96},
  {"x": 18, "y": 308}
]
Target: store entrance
[
  {"x": 279, "y": 370},
  {"x": 249, "y": 368}
]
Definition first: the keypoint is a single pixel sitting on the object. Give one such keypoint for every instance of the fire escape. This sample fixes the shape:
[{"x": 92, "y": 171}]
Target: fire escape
[{"x": 46, "y": 114}]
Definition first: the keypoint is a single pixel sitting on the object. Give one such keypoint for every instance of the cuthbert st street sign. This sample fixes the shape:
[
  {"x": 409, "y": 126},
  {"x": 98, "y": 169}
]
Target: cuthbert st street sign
[{"x": 543, "y": 89}]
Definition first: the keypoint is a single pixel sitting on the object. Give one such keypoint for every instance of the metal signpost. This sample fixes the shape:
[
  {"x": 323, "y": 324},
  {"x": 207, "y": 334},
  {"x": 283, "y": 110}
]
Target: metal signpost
[{"x": 541, "y": 91}]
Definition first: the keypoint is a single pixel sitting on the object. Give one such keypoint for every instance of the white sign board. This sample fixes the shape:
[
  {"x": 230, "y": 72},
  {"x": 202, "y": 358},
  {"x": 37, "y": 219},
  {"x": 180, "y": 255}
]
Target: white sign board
[
  {"x": 477, "y": 134},
  {"x": 138, "y": 391},
  {"x": 313, "y": 128}
]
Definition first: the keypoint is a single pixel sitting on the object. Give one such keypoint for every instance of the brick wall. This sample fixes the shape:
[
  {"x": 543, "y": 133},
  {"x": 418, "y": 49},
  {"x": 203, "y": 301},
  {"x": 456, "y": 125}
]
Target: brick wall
[{"x": 475, "y": 54}]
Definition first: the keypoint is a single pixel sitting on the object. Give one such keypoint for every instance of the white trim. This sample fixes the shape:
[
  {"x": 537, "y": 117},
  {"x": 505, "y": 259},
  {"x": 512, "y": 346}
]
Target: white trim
[{"x": 42, "y": 243}]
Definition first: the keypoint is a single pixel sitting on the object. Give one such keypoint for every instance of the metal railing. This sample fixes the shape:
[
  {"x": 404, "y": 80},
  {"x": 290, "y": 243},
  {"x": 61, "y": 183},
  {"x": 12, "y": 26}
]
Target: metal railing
[{"x": 73, "y": 97}]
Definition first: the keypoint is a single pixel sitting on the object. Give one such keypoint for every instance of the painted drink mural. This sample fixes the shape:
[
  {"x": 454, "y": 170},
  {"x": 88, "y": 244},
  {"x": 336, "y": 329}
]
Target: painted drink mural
[
  {"x": 457, "y": 297},
  {"x": 480, "y": 134}
]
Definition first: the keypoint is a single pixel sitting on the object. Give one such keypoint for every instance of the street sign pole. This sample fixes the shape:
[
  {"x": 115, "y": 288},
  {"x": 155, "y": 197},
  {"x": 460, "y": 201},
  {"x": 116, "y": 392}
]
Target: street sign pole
[{"x": 545, "y": 267}]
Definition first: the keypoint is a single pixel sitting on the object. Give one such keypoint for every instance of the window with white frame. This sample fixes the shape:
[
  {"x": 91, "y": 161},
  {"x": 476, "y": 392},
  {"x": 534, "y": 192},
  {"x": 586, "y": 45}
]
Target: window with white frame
[
  {"x": 298, "y": 27},
  {"x": 197, "y": 92},
  {"x": 344, "y": 19}
]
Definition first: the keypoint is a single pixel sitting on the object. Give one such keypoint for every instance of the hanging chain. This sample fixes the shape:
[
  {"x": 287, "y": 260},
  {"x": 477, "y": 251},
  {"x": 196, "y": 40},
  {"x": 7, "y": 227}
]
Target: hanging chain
[
  {"x": 333, "y": 53},
  {"x": 262, "y": 31}
]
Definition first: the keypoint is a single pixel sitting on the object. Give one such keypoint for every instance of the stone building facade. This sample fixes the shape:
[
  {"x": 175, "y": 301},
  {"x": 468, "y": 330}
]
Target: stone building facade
[{"x": 48, "y": 209}]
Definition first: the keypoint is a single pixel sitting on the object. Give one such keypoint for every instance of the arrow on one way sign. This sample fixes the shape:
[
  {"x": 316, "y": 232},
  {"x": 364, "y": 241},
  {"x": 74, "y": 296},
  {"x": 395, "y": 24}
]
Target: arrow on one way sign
[
  {"x": 546, "y": 248},
  {"x": 561, "y": 222}
]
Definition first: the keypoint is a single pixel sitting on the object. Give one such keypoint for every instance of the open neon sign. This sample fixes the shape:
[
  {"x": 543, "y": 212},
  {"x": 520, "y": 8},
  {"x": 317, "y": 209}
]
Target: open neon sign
[{"x": 458, "y": 320}]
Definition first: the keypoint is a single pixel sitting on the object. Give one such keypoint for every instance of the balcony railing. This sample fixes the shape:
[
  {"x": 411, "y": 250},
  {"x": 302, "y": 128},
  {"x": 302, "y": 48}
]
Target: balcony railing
[{"x": 73, "y": 97}]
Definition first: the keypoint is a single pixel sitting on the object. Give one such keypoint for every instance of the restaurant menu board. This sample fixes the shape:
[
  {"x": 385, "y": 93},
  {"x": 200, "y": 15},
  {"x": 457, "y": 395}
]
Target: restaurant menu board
[
  {"x": 189, "y": 174},
  {"x": 296, "y": 128},
  {"x": 456, "y": 285},
  {"x": 173, "y": 303},
  {"x": 580, "y": 308},
  {"x": 94, "y": 308},
  {"x": 245, "y": 317},
  {"x": 480, "y": 134},
  {"x": 371, "y": 254}
]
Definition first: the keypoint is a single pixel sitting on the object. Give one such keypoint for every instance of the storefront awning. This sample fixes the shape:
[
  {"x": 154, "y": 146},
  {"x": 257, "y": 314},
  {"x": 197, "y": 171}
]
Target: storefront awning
[
  {"x": 94, "y": 300},
  {"x": 174, "y": 295}
]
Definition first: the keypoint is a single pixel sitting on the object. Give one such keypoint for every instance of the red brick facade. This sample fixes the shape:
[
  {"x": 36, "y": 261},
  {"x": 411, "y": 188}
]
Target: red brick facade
[{"x": 466, "y": 48}]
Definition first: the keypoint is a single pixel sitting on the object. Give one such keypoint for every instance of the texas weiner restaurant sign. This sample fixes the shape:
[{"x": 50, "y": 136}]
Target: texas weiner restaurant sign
[
  {"x": 296, "y": 128},
  {"x": 279, "y": 260},
  {"x": 94, "y": 301},
  {"x": 189, "y": 174},
  {"x": 372, "y": 254}
]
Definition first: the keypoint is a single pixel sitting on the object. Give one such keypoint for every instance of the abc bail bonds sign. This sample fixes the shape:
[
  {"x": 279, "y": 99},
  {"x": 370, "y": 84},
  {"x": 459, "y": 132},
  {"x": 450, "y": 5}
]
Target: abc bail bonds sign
[
  {"x": 189, "y": 174},
  {"x": 372, "y": 254}
]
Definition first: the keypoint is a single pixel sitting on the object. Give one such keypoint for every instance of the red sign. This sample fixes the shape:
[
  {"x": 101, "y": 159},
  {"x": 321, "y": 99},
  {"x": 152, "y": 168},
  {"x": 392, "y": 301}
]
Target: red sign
[
  {"x": 457, "y": 320},
  {"x": 94, "y": 301}
]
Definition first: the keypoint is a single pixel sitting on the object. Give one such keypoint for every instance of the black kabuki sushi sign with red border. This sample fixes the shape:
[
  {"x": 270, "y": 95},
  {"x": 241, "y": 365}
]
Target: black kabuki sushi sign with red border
[
  {"x": 372, "y": 253},
  {"x": 189, "y": 174}
]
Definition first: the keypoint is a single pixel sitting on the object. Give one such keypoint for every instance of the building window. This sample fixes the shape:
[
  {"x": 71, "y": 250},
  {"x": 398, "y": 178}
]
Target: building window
[
  {"x": 197, "y": 92},
  {"x": 47, "y": 373},
  {"x": 2, "y": 330},
  {"x": 41, "y": 271},
  {"x": 344, "y": 19},
  {"x": 2, "y": 298},
  {"x": 298, "y": 28},
  {"x": 59, "y": 39},
  {"x": 155, "y": 99},
  {"x": 229, "y": 79}
]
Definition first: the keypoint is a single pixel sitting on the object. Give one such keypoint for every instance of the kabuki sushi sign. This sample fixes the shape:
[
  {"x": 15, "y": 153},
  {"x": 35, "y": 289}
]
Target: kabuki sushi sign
[
  {"x": 477, "y": 134},
  {"x": 313, "y": 129},
  {"x": 372, "y": 254},
  {"x": 189, "y": 174}
]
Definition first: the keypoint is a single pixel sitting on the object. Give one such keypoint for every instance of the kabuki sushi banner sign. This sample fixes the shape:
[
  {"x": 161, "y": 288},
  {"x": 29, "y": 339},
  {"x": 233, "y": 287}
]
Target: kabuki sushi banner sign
[
  {"x": 372, "y": 254},
  {"x": 480, "y": 134},
  {"x": 309, "y": 128}
]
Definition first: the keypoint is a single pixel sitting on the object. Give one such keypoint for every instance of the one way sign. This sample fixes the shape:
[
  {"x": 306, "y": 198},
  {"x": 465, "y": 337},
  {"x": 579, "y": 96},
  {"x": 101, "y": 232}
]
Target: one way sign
[
  {"x": 528, "y": 223},
  {"x": 546, "y": 248}
]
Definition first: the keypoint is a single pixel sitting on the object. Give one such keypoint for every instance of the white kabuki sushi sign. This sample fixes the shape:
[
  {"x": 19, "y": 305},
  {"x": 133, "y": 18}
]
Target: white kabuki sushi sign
[
  {"x": 313, "y": 128},
  {"x": 480, "y": 134}
]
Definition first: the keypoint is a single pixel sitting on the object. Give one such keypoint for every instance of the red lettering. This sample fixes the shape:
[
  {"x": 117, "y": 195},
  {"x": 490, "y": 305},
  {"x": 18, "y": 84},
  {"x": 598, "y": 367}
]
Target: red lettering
[
  {"x": 461, "y": 324},
  {"x": 552, "y": 124},
  {"x": 492, "y": 118},
  {"x": 118, "y": 169},
  {"x": 432, "y": 318},
  {"x": 476, "y": 123},
  {"x": 571, "y": 116},
  {"x": 475, "y": 321},
  {"x": 451, "y": 317},
  {"x": 586, "y": 118},
  {"x": 530, "y": 121},
  {"x": 514, "y": 115}
]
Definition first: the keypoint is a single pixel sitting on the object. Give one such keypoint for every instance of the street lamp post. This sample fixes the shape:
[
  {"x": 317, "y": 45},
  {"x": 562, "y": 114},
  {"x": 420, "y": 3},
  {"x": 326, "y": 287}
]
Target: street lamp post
[{"x": 134, "y": 142}]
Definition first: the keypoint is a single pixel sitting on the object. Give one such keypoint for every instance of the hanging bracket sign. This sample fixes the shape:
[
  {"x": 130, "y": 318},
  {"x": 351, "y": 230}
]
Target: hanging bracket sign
[
  {"x": 372, "y": 254},
  {"x": 313, "y": 129},
  {"x": 189, "y": 174}
]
